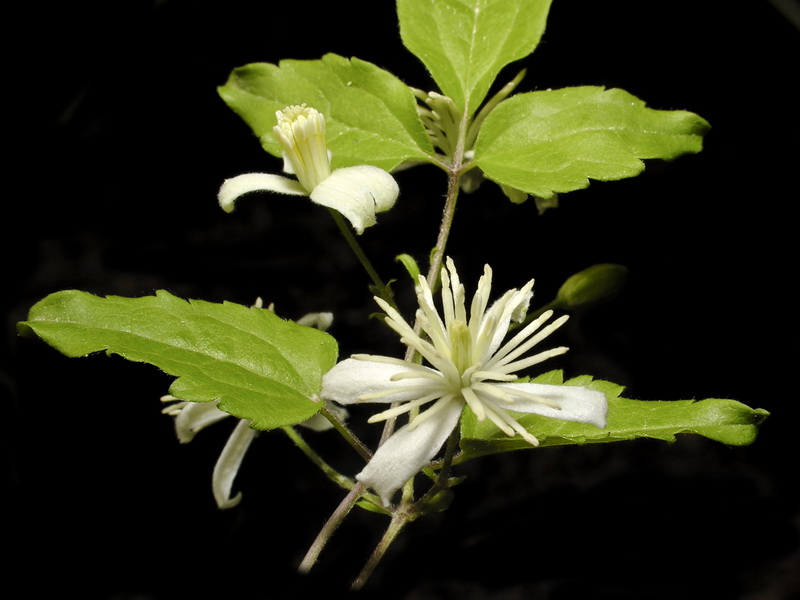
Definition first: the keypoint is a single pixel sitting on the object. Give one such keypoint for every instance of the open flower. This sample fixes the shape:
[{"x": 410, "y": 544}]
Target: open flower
[
  {"x": 471, "y": 366},
  {"x": 357, "y": 192}
]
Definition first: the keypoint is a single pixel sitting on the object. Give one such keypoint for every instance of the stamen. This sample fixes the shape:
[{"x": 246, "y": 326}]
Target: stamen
[
  {"x": 422, "y": 373},
  {"x": 529, "y": 396},
  {"x": 527, "y": 331},
  {"x": 474, "y": 403},
  {"x": 531, "y": 342},
  {"x": 493, "y": 391},
  {"x": 497, "y": 416},
  {"x": 441, "y": 404},
  {"x": 480, "y": 376},
  {"x": 509, "y": 425},
  {"x": 401, "y": 409},
  {"x": 371, "y": 396},
  {"x": 533, "y": 360}
]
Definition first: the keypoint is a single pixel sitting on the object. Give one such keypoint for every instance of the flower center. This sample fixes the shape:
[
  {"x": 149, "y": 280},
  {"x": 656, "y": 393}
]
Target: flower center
[
  {"x": 461, "y": 348},
  {"x": 301, "y": 132}
]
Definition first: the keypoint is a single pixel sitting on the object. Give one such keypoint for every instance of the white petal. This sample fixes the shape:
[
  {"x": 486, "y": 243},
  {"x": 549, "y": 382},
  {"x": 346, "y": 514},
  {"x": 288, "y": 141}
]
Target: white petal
[
  {"x": 320, "y": 320},
  {"x": 235, "y": 187},
  {"x": 407, "y": 451},
  {"x": 577, "y": 403},
  {"x": 351, "y": 379},
  {"x": 228, "y": 464},
  {"x": 195, "y": 416},
  {"x": 319, "y": 423},
  {"x": 358, "y": 193}
]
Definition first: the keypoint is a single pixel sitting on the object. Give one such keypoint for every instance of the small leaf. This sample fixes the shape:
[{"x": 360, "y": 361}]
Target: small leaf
[
  {"x": 258, "y": 365},
  {"x": 465, "y": 43},
  {"x": 555, "y": 141},
  {"x": 371, "y": 116},
  {"x": 726, "y": 421}
]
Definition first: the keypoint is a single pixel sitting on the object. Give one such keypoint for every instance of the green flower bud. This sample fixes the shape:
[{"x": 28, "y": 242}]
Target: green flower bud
[{"x": 598, "y": 283}]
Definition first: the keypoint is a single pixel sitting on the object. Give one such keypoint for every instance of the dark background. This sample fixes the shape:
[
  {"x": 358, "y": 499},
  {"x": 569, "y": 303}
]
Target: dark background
[{"x": 118, "y": 146}]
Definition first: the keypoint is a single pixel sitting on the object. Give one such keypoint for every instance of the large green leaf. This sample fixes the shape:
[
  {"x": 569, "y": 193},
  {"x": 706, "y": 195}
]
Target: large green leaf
[
  {"x": 371, "y": 116},
  {"x": 258, "y": 365},
  {"x": 465, "y": 43},
  {"x": 726, "y": 421},
  {"x": 555, "y": 141}
]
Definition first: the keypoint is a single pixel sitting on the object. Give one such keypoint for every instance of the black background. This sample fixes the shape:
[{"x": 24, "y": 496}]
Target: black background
[{"x": 118, "y": 145}]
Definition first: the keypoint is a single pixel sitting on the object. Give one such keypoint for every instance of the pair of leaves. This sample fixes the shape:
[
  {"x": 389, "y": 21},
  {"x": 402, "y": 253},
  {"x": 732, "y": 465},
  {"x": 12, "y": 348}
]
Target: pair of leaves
[
  {"x": 258, "y": 365},
  {"x": 726, "y": 421},
  {"x": 541, "y": 142}
]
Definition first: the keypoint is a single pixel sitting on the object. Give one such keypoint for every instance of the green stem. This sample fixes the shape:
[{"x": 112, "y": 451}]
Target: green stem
[
  {"x": 396, "y": 525},
  {"x": 331, "y": 473},
  {"x": 448, "y": 213},
  {"x": 444, "y": 472},
  {"x": 351, "y": 240},
  {"x": 348, "y": 435},
  {"x": 330, "y": 526}
]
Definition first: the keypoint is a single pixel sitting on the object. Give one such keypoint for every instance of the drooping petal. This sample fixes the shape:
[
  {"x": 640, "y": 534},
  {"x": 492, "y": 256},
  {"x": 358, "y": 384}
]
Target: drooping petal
[
  {"x": 408, "y": 450},
  {"x": 576, "y": 403},
  {"x": 358, "y": 193},
  {"x": 318, "y": 422},
  {"x": 228, "y": 464},
  {"x": 233, "y": 188},
  {"x": 194, "y": 416},
  {"x": 320, "y": 320},
  {"x": 351, "y": 379}
]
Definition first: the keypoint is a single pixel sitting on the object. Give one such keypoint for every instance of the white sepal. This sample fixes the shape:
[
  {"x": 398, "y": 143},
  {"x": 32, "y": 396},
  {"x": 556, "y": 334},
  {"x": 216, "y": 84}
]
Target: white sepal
[
  {"x": 235, "y": 187},
  {"x": 228, "y": 464},
  {"x": 408, "y": 450},
  {"x": 358, "y": 193}
]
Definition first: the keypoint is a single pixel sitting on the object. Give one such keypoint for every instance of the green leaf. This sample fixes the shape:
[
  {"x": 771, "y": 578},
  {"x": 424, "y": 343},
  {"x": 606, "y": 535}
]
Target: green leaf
[
  {"x": 258, "y": 365},
  {"x": 371, "y": 116},
  {"x": 555, "y": 141},
  {"x": 465, "y": 43},
  {"x": 726, "y": 421}
]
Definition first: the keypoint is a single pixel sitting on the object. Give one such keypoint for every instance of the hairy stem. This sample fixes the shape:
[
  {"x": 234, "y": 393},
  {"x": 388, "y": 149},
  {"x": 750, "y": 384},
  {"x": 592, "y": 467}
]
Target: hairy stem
[
  {"x": 396, "y": 525},
  {"x": 330, "y": 527},
  {"x": 345, "y": 432},
  {"x": 331, "y": 473},
  {"x": 377, "y": 283}
]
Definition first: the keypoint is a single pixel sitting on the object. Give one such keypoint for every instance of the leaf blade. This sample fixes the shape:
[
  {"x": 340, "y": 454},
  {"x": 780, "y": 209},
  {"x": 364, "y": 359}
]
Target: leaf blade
[
  {"x": 465, "y": 43},
  {"x": 722, "y": 420},
  {"x": 555, "y": 141},
  {"x": 371, "y": 116},
  {"x": 259, "y": 366}
]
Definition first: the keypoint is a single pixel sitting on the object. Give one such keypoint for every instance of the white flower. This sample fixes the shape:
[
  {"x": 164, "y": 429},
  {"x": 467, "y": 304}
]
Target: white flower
[
  {"x": 471, "y": 366},
  {"x": 357, "y": 192}
]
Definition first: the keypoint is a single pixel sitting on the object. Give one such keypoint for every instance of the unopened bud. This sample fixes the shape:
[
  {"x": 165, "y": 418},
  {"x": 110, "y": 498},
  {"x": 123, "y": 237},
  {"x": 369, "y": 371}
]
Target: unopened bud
[{"x": 598, "y": 283}]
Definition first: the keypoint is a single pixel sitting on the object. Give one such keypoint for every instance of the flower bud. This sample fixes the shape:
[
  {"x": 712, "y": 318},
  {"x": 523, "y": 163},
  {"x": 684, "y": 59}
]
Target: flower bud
[{"x": 597, "y": 284}]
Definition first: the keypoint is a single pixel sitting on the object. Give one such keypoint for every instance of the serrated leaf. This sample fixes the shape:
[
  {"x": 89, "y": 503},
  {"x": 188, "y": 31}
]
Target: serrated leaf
[
  {"x": 258, "y": 365},
  {"x": 726, "y": 421},
  {"x": 465, "y": 43},
  {"x": 555, "y": 141},
  {"x": 371, "y": 116}
]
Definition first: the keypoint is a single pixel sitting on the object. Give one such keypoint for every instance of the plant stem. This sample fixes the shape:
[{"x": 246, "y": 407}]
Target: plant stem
[
  {"x": 332, "y": 473},
  {"x": 377, "y": 282},
  {"x": 330, "y": 526},
  {"x": 396, "y": 525},
  {"x": 448, "y": 213},
  {"x": 348, "y": 435}
]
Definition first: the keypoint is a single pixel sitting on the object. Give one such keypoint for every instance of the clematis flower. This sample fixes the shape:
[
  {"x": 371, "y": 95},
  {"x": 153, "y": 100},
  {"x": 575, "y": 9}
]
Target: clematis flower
[
  {"x": 192, "y": 417},
  {"x": 357, "y": 192},
  {"x": 471, "y": 365}
]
